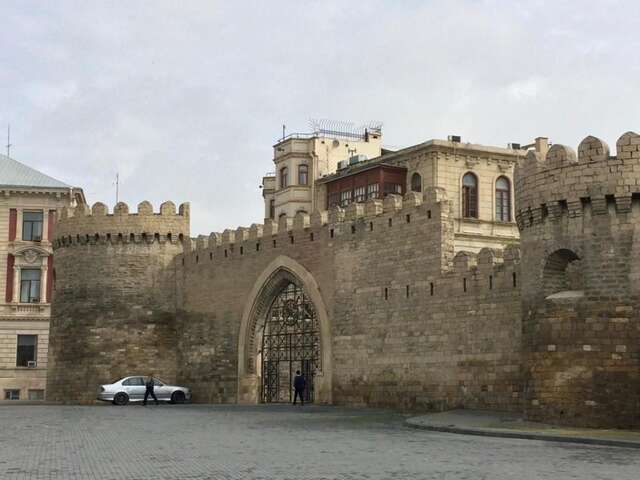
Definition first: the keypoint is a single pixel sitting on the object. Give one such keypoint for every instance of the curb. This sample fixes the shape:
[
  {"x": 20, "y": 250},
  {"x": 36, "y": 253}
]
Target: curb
[{"x": 524, "y": 436}]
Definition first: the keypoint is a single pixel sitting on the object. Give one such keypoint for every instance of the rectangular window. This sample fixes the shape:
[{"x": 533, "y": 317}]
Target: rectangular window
[
  {"x": 36, "y": 394},
  {"x": 345, "y": 198},
  {"x": 32, "y": 226},
  {"x": 303, "y": 175},
  {"x": 373, "y": 190},
  {"x": 333, "y": 199},
  {"x": 12, "y": 394},
  {"x": 394, "y": 188},
  {"x": 272, "y": 209},
  {"x": 469, "y": 202},
  {"x": 503, "y": 208},
  {"x": 27, "y": 350},
  {"x": 360, "y": 194},
  {"x": 30, "y": 285}
]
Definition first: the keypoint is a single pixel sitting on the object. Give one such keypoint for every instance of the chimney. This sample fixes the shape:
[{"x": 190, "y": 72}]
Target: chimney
[{"x": 542, "y": 145}]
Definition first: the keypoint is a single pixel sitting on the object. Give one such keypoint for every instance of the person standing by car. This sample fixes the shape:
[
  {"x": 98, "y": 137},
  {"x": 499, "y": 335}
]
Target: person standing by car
[
  {"x": 149, "y": 390},
  {"x": 299, "y": 384}
]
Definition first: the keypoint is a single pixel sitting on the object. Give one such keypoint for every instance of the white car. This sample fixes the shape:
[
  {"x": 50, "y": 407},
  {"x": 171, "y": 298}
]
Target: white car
[{"x": 132, "y": 389}]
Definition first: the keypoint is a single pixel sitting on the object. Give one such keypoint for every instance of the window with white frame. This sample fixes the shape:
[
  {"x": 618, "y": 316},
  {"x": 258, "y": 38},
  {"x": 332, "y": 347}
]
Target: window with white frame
[
  {"x": 503, "y": 200},
  {"x": 27, "y": 351},
  {"x": 30, "y": 285},
  {"x": 32, "y": 226},
  {"x": 360, "y": 194},
  {"x": 345, "y": 198}
]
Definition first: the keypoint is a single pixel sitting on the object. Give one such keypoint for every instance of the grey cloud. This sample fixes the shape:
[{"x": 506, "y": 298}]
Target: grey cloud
[{"x": 185, "y": 99}]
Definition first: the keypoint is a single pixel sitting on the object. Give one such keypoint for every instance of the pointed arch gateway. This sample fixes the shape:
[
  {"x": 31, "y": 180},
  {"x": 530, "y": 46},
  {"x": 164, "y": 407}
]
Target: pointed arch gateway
[{"x": 284, "y": 327}]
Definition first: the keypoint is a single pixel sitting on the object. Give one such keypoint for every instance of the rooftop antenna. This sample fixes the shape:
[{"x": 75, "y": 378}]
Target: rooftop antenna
[
  {"x": 284, "y": 129},
  {"x": 117, "y": 184},
  {"x": 9, "y": 140}
]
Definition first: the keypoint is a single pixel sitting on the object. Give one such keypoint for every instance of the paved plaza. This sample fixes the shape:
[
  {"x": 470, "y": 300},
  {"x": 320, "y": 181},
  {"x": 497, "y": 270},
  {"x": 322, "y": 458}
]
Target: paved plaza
[{"x": 274, "y": 442}]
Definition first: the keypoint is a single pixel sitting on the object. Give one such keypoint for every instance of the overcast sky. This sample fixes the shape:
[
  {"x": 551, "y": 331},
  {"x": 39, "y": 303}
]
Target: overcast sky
[{"x": 186, "y": 98}]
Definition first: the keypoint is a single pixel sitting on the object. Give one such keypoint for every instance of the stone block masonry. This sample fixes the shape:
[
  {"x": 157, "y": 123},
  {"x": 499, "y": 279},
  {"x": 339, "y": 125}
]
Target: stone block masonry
[
  {"x": 549, "y": 327},
  {"x": 388, "y": 277},
  {"x": 579, "y": 222},
  {"x": 115, "y": 297}
]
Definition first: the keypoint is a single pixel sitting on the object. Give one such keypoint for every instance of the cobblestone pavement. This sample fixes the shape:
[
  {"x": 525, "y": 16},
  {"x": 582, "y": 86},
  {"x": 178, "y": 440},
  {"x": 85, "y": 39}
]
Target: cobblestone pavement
[{"x": 274, "y": 442}]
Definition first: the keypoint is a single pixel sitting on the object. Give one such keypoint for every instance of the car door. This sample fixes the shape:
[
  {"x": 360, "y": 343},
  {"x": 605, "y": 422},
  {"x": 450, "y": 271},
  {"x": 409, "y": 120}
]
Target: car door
[
  {"x": 134, "y": 386},
  {"x": 162, "y": 391}
]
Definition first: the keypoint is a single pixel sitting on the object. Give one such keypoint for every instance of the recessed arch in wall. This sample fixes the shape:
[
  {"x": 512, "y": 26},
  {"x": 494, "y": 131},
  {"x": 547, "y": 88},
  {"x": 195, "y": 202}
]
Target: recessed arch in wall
[{"x": 282, "y": 272}]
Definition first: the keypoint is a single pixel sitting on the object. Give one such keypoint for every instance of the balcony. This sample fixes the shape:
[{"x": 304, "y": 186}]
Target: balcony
[{"x": 20, "y": 310}]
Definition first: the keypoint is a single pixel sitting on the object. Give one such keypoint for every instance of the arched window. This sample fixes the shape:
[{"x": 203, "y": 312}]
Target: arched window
[
  {"x": 416, "y": 182},
  {"x": 503, "y": 200},
  {"x": 303, "y": 175},
  {"x": 284, "y": 177},
  {"x": 469, "y": 196}
]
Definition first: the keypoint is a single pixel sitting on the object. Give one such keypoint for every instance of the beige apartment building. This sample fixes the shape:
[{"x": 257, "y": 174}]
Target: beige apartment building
[
  {"x": 318, "y": 171},
  {"x": 29, "y": 202}
]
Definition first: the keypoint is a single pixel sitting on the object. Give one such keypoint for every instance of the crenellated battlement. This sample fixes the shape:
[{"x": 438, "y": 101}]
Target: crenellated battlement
[
  {"x": 564, "y": 183},
  {"x": 84, "y": 225},
  {"x": 332, "y": 225}
]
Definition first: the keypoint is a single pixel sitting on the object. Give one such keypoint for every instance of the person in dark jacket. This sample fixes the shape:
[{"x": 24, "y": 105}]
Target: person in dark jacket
[
  {"x": 149, "y": 390},
  {"x": 299, "y": 384}
]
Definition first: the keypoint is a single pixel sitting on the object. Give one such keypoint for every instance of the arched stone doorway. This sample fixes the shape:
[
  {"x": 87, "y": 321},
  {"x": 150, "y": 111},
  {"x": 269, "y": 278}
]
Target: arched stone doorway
[
  {"x": 290, "y": 343},
  {"x": 284, "y": 328}
]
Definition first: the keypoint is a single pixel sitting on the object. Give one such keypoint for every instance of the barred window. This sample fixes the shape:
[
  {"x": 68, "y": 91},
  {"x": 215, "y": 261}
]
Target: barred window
[
  {"x": 373, "y": 190},
  {"x": 469, "y": 196},
  {"x": 503, "y": 200}
]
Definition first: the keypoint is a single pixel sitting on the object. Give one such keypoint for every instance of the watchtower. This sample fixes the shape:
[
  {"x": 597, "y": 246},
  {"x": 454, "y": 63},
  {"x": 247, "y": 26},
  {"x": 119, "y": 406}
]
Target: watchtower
[
  {"x": 114, "y": 312},
  {"x": 579, "y": 224}
]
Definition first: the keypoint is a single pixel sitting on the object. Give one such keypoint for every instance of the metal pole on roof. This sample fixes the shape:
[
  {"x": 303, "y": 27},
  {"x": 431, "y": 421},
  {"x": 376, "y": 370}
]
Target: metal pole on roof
[{"x": 8, "y": 140}]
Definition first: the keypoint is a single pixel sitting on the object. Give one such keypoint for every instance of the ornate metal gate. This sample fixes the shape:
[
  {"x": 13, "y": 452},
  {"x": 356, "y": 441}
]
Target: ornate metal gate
[{"x": 290, "y": 342}]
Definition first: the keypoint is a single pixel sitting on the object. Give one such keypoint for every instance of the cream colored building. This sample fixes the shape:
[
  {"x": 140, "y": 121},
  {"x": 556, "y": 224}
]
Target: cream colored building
[
  {"x": 300, "y": 159},
  {"x": 478, "y": 179},
  {"x": 29, "y": 202}
]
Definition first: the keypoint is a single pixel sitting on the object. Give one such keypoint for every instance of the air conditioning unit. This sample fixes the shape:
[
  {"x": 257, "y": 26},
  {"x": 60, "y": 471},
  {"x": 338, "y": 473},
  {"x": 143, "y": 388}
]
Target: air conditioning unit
[
  {"x": 32, "y": 364},
  {"x": 36, "y": 238},
  {"x": 357, "y": 159},
  {"x": 342, "y": 164},
  {"x": 513, "y": 146},
  {"x": 454, "y": 138}
]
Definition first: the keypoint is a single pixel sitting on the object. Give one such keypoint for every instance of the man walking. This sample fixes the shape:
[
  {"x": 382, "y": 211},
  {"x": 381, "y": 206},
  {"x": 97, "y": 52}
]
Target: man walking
[
  {"x": 299, "y": 384},
  {"x": 149, "y": 390}
]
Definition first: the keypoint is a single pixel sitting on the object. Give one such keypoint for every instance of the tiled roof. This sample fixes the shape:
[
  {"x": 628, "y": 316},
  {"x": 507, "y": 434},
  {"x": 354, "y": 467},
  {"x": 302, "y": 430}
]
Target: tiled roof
[{"x": 16, "y": 174}]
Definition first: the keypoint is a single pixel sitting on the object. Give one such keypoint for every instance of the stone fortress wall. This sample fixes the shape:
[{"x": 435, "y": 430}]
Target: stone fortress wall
[
  {"x": 387, "y": 276},
  {"x": 579, "y": 221},
  {"x": 404, "y": 322},
  {"x": 114, "y": 312}
]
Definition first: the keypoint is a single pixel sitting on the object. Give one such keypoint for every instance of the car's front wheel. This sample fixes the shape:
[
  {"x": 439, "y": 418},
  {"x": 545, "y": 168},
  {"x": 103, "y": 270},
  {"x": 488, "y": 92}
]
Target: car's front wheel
[
  {"x": 177, "y": 397},
  {"x": 121, "y": 399}
]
